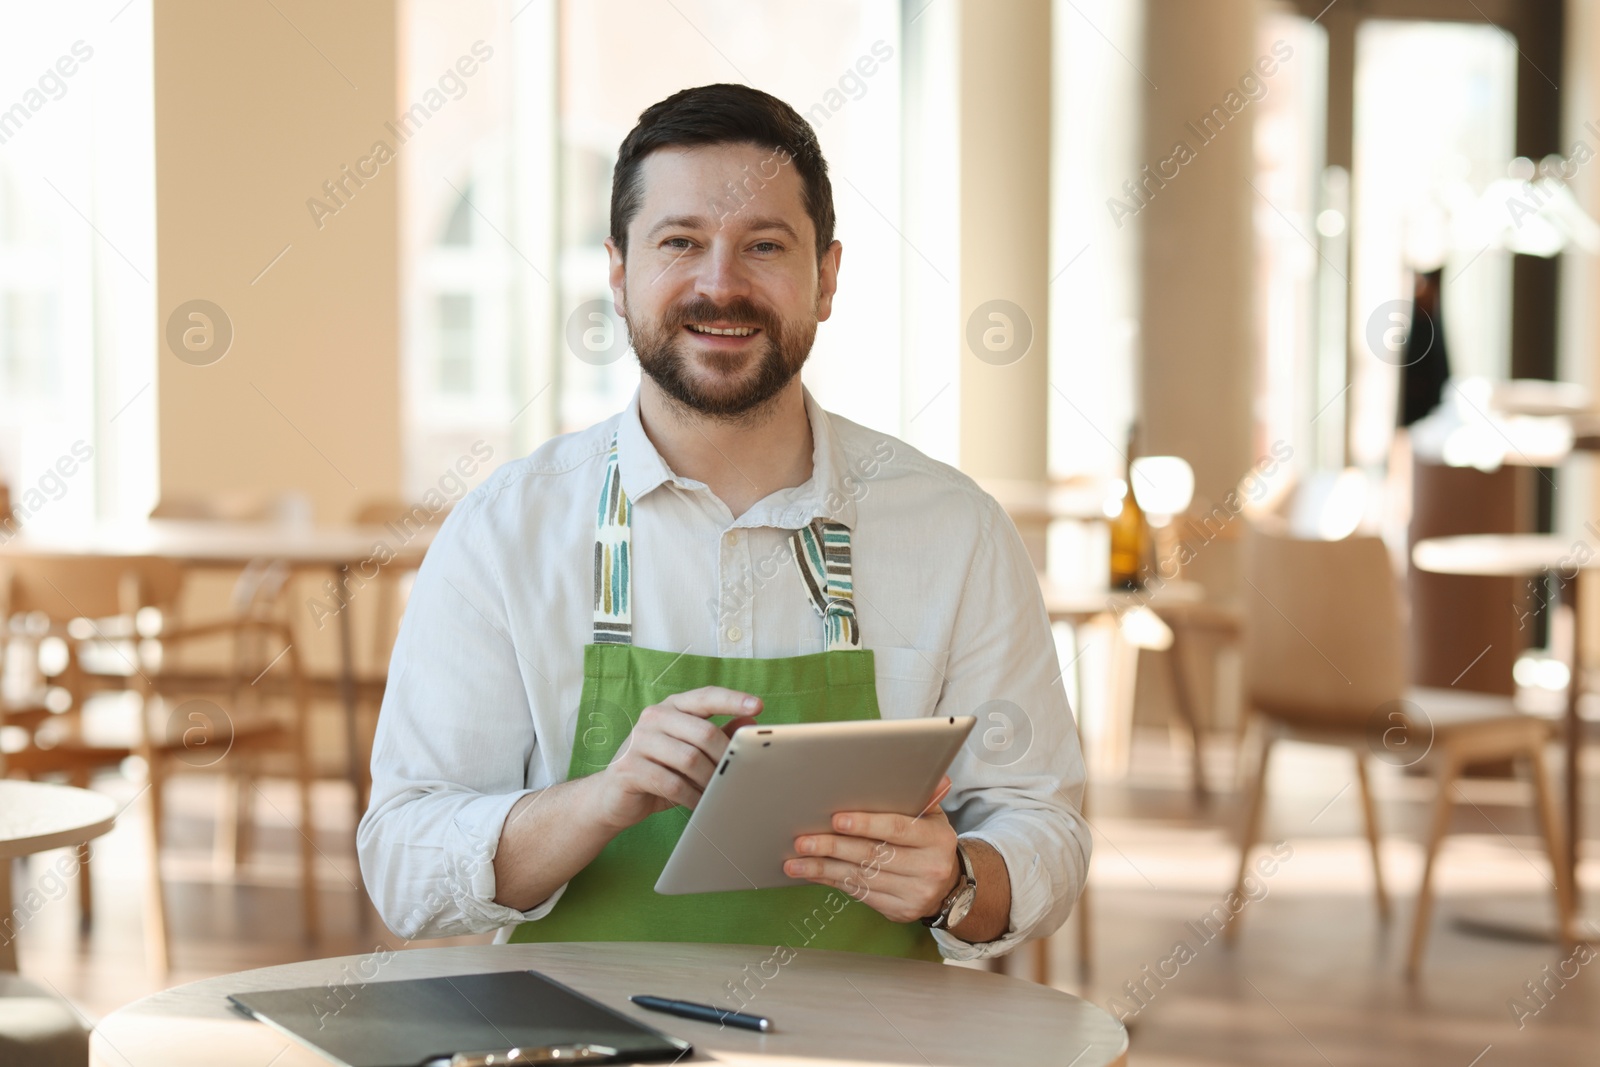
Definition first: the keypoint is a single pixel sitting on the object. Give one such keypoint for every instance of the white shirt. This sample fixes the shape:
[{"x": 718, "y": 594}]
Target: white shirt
[{"x": 484, "y": 683}]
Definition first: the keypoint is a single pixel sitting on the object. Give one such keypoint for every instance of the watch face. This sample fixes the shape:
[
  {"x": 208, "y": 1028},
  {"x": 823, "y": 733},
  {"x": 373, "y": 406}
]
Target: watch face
[{"x": 961, "y": 905}]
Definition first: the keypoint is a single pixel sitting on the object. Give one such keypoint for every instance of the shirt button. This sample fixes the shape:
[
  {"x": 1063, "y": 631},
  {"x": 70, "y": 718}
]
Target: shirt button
[
  {"x": 734, "y": 634},
  {"x": 733, "y": 537}
]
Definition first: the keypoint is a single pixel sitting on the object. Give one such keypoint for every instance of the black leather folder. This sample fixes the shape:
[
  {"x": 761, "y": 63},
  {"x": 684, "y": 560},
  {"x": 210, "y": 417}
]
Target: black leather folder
[{"x": 417, "y": 1022}]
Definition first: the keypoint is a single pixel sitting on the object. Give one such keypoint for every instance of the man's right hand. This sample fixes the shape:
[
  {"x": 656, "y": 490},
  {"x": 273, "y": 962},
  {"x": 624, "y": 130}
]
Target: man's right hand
[{"x": 670, "y": 755}]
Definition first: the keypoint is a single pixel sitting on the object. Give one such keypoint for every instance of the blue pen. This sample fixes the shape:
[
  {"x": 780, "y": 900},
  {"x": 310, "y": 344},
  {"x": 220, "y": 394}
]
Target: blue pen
[{"x": 705, "y": 1013}]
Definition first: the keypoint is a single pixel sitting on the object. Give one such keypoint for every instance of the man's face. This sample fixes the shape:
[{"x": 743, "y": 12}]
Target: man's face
[{"x": 721, "y": 289}]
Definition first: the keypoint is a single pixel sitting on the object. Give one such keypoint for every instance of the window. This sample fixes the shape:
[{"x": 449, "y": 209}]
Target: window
[
  {"x": 1301, "y": 224},
  {"x": 1094, "y": 261},
  {"x": 474, "y": 236},
  {"x": 1429, "y": 138},
  {"x": 77, "y": 256}
]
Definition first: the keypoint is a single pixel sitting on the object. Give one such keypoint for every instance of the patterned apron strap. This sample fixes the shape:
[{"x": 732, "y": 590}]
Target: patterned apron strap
[
  {"x": 822, "y": 551},
  {"x": 613, "y": 551}
]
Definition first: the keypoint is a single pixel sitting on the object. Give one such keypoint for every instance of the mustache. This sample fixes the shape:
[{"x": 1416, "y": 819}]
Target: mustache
[{"x": 741, "y": 311}]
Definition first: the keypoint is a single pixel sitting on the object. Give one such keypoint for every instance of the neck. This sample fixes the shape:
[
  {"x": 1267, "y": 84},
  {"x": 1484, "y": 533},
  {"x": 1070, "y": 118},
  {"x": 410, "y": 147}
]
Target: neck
[{"x": 741, "y": 460}]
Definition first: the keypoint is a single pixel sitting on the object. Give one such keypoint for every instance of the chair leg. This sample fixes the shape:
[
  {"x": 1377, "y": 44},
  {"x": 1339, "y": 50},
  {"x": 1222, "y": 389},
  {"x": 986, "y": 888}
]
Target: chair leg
[
  {"x": 1085, "y": 923},
  {"x": 85, "y": 889},
  {"x": 1449, "y": 768},
  {"x": 1085, "y": 938},
  {"x": 244, "y": 814},
  {"x": 1041, "y": 960},
  {"x": 157, "y": 946},
  {"x": 1369, "y": 811},
  {"x": 1183, "y": 698},
  {"x": 1550, "y": 825},
  {"x": 308, "y": 858},
  {"x": 1252, "y": 829},
  {"x": 8, "y": 933},
  {"x": 85, "y": 882},
  {"x": 225, "y": 830}
]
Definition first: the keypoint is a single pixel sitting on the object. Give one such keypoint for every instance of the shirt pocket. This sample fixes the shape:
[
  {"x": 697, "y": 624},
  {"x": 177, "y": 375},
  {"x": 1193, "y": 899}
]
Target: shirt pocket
[{"x": 910, "y": 681}]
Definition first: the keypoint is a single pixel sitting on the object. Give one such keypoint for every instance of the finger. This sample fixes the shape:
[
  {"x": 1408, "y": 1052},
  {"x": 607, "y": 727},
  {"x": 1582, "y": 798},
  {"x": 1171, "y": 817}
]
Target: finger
[
  {"x": 932, "y": 863},
  {"x": 734, "y": 725},
  {"x": 940, "y": 791},
  {"x": 892, "y": 894},
  {"x": 693, "y": 730},
  {"x": 886, "y": 904},
  {"x": 712, "y": 700},
  {"x": 914, "y": 831},
  {"x": 652, "y": 779},
  {"x": 858, "y": 850},
  {"x": 679, "y": 757},
  {"x": 817, "y": 868}
]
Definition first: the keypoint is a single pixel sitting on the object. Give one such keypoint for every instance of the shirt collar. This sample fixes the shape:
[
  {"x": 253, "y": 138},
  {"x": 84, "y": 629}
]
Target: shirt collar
[{"x": 823, "y": 495}]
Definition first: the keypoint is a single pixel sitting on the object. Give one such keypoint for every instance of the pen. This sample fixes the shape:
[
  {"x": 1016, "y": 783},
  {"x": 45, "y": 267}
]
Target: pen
[{"x": 703, "y": 1012}]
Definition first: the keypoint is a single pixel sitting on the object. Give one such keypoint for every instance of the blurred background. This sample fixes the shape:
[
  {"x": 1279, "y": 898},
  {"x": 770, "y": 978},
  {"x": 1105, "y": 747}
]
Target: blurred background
[{"x": 1272, "y": 325}]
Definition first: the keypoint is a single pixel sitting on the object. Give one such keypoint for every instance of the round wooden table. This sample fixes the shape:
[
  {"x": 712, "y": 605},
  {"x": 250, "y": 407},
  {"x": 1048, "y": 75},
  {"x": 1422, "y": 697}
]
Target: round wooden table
[
  {"x": 36, "y": 817},
  {"x": 838, "y": 1008}
]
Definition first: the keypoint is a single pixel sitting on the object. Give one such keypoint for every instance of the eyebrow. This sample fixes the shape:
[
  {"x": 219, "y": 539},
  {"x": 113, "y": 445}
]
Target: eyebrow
[{"x": 700, "y": 222}]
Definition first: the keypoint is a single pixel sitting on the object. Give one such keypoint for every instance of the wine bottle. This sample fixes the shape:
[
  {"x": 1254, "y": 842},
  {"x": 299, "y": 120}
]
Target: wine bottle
[{"x": 1130, "y": 533}]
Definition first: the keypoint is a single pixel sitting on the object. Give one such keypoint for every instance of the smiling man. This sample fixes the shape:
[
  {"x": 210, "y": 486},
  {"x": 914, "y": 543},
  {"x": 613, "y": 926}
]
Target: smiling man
[{"x": 594, "y": 621}]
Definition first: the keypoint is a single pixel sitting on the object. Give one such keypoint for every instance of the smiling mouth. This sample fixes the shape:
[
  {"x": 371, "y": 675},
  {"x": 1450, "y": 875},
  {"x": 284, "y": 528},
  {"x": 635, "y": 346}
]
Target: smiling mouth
[{"x": 722, "y": 331}]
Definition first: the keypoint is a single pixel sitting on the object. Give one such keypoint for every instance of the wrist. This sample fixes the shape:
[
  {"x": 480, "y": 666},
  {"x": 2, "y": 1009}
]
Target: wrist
[
  {"x": 957, "y": 875},
  {"x": 959, "y": 897},
  {"x": 594, "y": 808}
]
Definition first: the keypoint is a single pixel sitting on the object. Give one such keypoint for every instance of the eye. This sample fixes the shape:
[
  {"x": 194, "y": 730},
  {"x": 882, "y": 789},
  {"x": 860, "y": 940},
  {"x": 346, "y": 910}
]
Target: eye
[
  {"x": 768, "y": 246},
  {"x": 677, "y": 242}
]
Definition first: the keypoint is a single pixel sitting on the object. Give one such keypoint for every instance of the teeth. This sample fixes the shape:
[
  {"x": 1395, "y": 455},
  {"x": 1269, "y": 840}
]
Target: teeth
[{"x": 736, "y": 331}]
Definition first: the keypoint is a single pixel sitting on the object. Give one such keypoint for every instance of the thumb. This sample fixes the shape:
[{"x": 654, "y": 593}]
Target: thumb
[
  {"x": 940, "y": 791},
  {"x": 734, "y": 724}
]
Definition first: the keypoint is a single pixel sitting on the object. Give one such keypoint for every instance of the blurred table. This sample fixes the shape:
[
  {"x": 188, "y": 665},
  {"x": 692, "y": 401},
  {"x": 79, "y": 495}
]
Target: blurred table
[
  {"x": 37, "y": 817},
  {"x": 1079, "y": 606},
  {"x": 235, "y": 545},
  {"x": 838, "y": 1008},
  {"x": 226, "y": 544},
  {"x": 1530, "y": 556},
  {"x": 1080, "y": 499}
]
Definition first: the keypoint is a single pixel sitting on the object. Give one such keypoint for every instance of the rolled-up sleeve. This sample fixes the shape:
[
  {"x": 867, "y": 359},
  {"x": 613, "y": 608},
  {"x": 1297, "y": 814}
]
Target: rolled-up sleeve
[
  {"x": 454, "y": 743},
  {"x": 1018, "y": 782}
]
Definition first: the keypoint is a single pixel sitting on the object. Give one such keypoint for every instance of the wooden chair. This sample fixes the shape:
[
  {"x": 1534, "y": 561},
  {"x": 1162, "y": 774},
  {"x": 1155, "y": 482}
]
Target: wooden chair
[
  {"x": 98, "y": 608},
  {"x": 1324, "y": 662},
  {"x": 391, "y": 588}
]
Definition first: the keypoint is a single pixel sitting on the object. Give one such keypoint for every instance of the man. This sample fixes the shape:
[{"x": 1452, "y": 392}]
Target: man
[{"x": 549, "y": 713}]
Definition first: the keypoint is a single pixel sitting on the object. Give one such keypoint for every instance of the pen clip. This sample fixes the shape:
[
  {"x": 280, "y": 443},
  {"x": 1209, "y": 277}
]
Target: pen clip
[{"x": 580, "y": 1052}]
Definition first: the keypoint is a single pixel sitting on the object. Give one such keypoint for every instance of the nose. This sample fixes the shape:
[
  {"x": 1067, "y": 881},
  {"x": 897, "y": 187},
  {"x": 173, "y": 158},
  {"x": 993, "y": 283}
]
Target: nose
[{"x": 722, "y": 275}]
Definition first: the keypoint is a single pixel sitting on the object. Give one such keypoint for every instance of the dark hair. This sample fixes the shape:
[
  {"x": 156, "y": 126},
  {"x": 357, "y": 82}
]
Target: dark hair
[{"x": 722, "y": 114}]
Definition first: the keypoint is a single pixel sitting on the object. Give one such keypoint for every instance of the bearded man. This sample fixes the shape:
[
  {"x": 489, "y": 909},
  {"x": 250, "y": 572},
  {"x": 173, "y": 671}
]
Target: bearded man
[{"x": 593, "y": 622}]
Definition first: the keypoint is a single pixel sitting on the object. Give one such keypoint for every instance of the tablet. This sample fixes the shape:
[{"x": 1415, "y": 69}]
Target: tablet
[{"x": 777, "y": 782}]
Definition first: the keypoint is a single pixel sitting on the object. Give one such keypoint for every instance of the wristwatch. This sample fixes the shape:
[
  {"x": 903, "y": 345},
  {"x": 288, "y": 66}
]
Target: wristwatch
[{"x": 959, "y": 902}]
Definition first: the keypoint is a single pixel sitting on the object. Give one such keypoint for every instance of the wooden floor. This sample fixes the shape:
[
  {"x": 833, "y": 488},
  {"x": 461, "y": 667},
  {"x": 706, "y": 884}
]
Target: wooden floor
[{"x": 1314, "y": 979}]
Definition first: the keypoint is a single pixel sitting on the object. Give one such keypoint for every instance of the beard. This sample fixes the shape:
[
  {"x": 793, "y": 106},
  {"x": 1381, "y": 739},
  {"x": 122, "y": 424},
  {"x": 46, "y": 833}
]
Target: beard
[{"x": 721, "y": 391}]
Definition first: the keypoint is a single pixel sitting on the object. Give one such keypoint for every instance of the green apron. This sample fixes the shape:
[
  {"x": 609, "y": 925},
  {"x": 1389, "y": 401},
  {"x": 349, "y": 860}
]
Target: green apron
[{"x": 613, "y": 898}]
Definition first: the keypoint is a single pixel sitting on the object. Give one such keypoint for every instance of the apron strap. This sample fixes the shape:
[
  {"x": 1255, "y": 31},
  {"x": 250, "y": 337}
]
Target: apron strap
[
  {"x": 821, "y": 552},
  {"x": 613, "y": 545}
]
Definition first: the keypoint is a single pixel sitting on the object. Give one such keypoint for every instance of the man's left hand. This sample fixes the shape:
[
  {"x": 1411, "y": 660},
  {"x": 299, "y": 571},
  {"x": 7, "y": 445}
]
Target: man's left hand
[{"x": 901, "y": 866}]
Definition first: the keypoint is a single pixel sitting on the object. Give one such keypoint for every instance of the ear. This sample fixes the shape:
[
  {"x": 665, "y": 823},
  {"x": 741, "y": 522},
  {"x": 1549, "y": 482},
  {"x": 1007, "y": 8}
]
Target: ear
[
  {"x": 617, "y": 275},
  {"x": 828, "y": 280}
]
